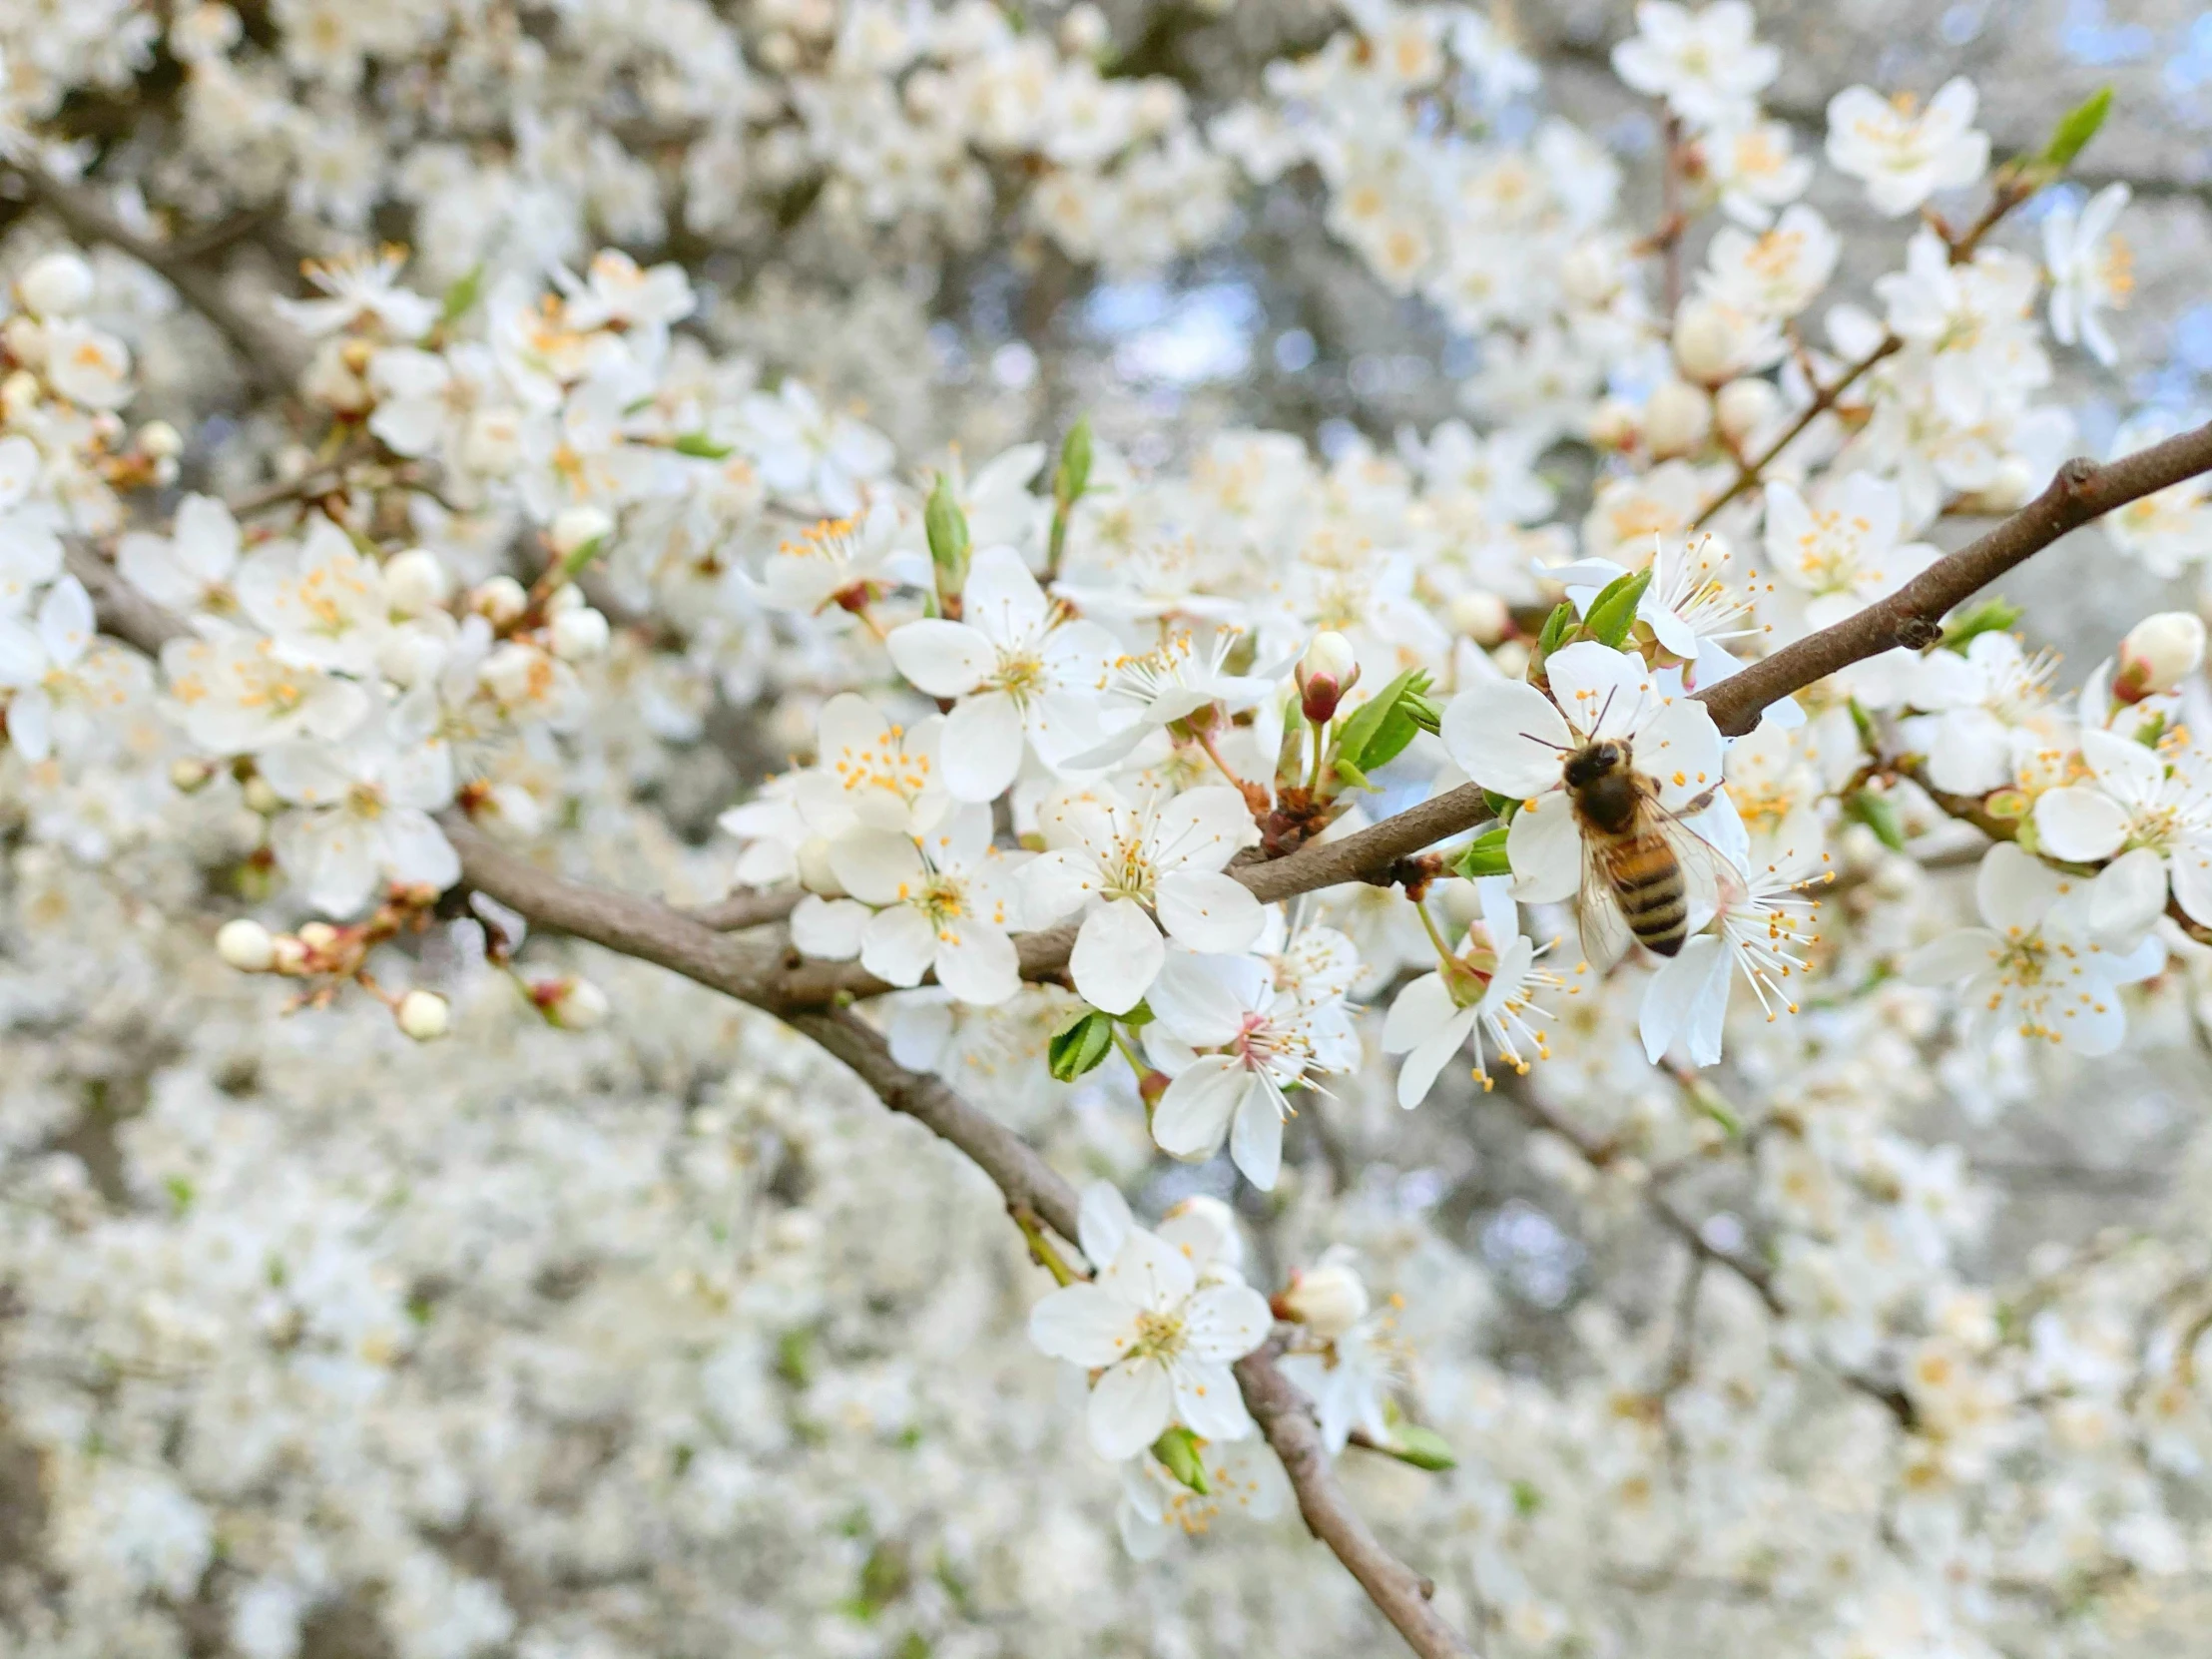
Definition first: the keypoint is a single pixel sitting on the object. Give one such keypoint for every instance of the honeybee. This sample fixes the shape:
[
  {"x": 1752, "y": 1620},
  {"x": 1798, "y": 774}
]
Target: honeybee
[{"x": 1644, "y": 871}]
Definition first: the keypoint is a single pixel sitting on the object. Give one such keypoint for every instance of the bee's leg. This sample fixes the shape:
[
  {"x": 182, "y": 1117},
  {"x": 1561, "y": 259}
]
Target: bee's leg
[{"x": 1698, "y": 803}]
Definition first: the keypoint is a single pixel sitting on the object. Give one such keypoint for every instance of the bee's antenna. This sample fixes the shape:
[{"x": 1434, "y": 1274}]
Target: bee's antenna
[
  {"x": 1605, "y": 709},
  {"x": 1560, "y": 748}
]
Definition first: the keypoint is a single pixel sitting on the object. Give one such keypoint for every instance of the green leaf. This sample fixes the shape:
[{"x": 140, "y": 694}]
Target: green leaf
[
  {"x": 1993, "y": 615},
  {"x": 1081, "y": 1048},
  {"x": 885, "y": 1575},
  {"x": 1424, "y": 1448},
  {"x": 1485, "y": 856},
  {"x": 1862, "y": 724},
  {"x": 1423, "y": 711},
  {"x": 1377, "y": 732},
  {"x": 1878, "y": 814},
  {"x": 1502, "y": 807},
  {"x": 1526, "y": 1498},
  {"x": 1137, "y": 1017},
  {"x": 2077, "y": 127},
  {"x": 180, "y": 1192},
  {"x": 1073, "y": 475},
  {"x": 1354, "y": 776},
  {"x": 947, "y": 528},
  {"x": 795, "y": 1357},
  {"x": 703, "y": 447},
  {"x": 1557, "y": 626},
  {"x": 1177, "y": 1451},
  {"x": 463, "y": 295},
  {"x": 1613, "y": 612}
]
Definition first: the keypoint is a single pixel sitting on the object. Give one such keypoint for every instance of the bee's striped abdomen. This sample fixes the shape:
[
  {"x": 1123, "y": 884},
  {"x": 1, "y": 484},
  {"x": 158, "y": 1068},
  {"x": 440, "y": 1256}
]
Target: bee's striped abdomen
[{"x": 1646, "y": 877}]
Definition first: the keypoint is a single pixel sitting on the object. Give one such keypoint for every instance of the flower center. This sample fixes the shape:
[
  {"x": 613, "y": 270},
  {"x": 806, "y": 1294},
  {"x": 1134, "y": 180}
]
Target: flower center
[
  {"x": 1159, "y": 1335},
  {"x": 1020, "y": 674}
]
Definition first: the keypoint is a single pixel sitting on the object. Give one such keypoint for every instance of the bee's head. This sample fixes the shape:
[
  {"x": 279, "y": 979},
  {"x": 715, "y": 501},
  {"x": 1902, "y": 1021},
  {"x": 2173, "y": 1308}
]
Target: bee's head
[{"x": 1587, "y": 765}]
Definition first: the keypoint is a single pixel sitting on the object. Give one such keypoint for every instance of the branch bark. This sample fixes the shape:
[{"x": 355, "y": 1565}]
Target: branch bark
[
  {"x": 271, "y": 355},
  {"x": 2082, "y": 491}
]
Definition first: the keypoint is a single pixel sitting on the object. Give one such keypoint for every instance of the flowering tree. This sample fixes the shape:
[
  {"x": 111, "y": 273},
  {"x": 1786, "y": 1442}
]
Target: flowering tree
[{"x": 414, "y": 671}]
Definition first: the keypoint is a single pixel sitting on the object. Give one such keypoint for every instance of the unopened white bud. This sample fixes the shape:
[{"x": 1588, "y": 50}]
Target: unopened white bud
[
  {"x": 571, "y": 1003},
  {"x": 317, "y": 937},
  {"x": 1328, "y": 1301},
  {"x": 189, "y": 775},
  {"x": 1590, "y": 275},
  {"x": 1706, "y": 342},
  {"x": 291, "y": 954},
  {"x": 415, "y": 581},
  {"x": 260, "y": 797},
  {"x": 25, "y": 340},
  {"x": 160, "y": 442},
  {"x": 1613, "y": 424},
  {"x": 2158, "y": 654},
  {"x": 1218, "y": 1219},
  {"x": 1480, "y": 615},
  {"x": 1678, "y": 419},
  {"x": 576, "y": 527},
  {"x": 499, "y": 601},
  {"x": 410, "y": 656},
  {"x": 1744, "y": 406},
  {"x": 1324, "y": 674},
  {"x": 1084, "y": 30},
  {"x": 246, "y": 946},
  {"x": 56, "y": 284},
  {"x": 577, "y": 633},
  {"x": 424, "y": 1015}
]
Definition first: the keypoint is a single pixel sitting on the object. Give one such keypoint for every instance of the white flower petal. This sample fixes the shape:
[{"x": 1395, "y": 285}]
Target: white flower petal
[
  {"x": 1117, "y": 956},
  {"x": 1508, "y": 737}
]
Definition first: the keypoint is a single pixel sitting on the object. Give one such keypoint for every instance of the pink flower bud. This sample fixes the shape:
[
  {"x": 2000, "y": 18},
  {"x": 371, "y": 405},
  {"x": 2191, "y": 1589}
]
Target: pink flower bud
[
  {"x": 2158, "y": 654},
  {"x": 1327, "y": 670}
]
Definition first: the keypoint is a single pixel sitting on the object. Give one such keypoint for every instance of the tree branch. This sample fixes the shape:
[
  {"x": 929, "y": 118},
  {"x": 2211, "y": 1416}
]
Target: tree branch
[
  {"x": 273, "y": 355},
  {"x": 2082, "y": 491}
]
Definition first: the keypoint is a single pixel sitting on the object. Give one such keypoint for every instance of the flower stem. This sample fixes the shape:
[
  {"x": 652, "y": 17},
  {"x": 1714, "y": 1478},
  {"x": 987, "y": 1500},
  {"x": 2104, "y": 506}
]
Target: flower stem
[
  {"x": 1041, "y": 1248},
  {"x": 1444, "y": 950},
  {"x": 1206, "y": 742}
]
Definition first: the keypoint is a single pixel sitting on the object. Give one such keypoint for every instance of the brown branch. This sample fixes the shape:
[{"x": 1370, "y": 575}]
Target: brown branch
[
  {"x": 272, "y": 354},
  {"x": 746, "y": 908},
  {"x": 122, "y": 610},
  {"x": 2082, "y": 491},
  {"x": 1752, "y": 471},
  {"x": 1286, "y": 1418}
]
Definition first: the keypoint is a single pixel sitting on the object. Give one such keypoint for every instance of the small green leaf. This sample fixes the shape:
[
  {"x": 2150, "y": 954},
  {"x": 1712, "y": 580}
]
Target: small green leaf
[
  {"x": 1878, "y": 814},
  {"x": 1377, "y": 731},
  {"x": 1137, "y": 1017},
  {"x": 795, "y": 1357},
  {"x": 885, "y": 1575},
  {"x": 1557, "y": 626},
  {"x": 947, "y": 528},
  {"x": 2077, "y": 127},
  {"x": 1073, "y": 475},
  {"x": 703, "y": 447},
  {"x": 1613, "y": 612},
  {"x": 1081, "y": 1048},
  {"x": 1862, "y": 723},
  {"x": 461, "y": 296},
  {"x": 1993, "y": 615},
  {"x": 1177, "y": 1451},
  {"x": 1354, "y": 776},
  {"x": 1485, "y": 856},
  {"x": 1423, "y": 711},
  {"x": 180, "y": 1192},
  {"x": 1424, "y": 1448},
  {"x": 1526, "y": 1498},
  {"x": 1502, "y": 807}
]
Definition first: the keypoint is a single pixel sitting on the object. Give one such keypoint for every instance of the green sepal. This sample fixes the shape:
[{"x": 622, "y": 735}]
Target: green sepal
[
  {"x": 1073, "y": 475},
  {"x": 462, "y": 293},
  {"x": 1423, "y": 1447},
  {"x": 701, "y": 448}
]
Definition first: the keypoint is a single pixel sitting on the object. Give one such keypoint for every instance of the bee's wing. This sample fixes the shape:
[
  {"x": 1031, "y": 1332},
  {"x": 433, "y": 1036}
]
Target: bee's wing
[
  {"x": 1711, "y": 881},
  {"x": 1604, "y": 929}
]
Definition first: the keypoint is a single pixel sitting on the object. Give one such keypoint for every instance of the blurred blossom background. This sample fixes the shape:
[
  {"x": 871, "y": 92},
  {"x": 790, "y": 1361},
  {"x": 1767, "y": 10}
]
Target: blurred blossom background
[{"x": 662, "y": 1341}]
